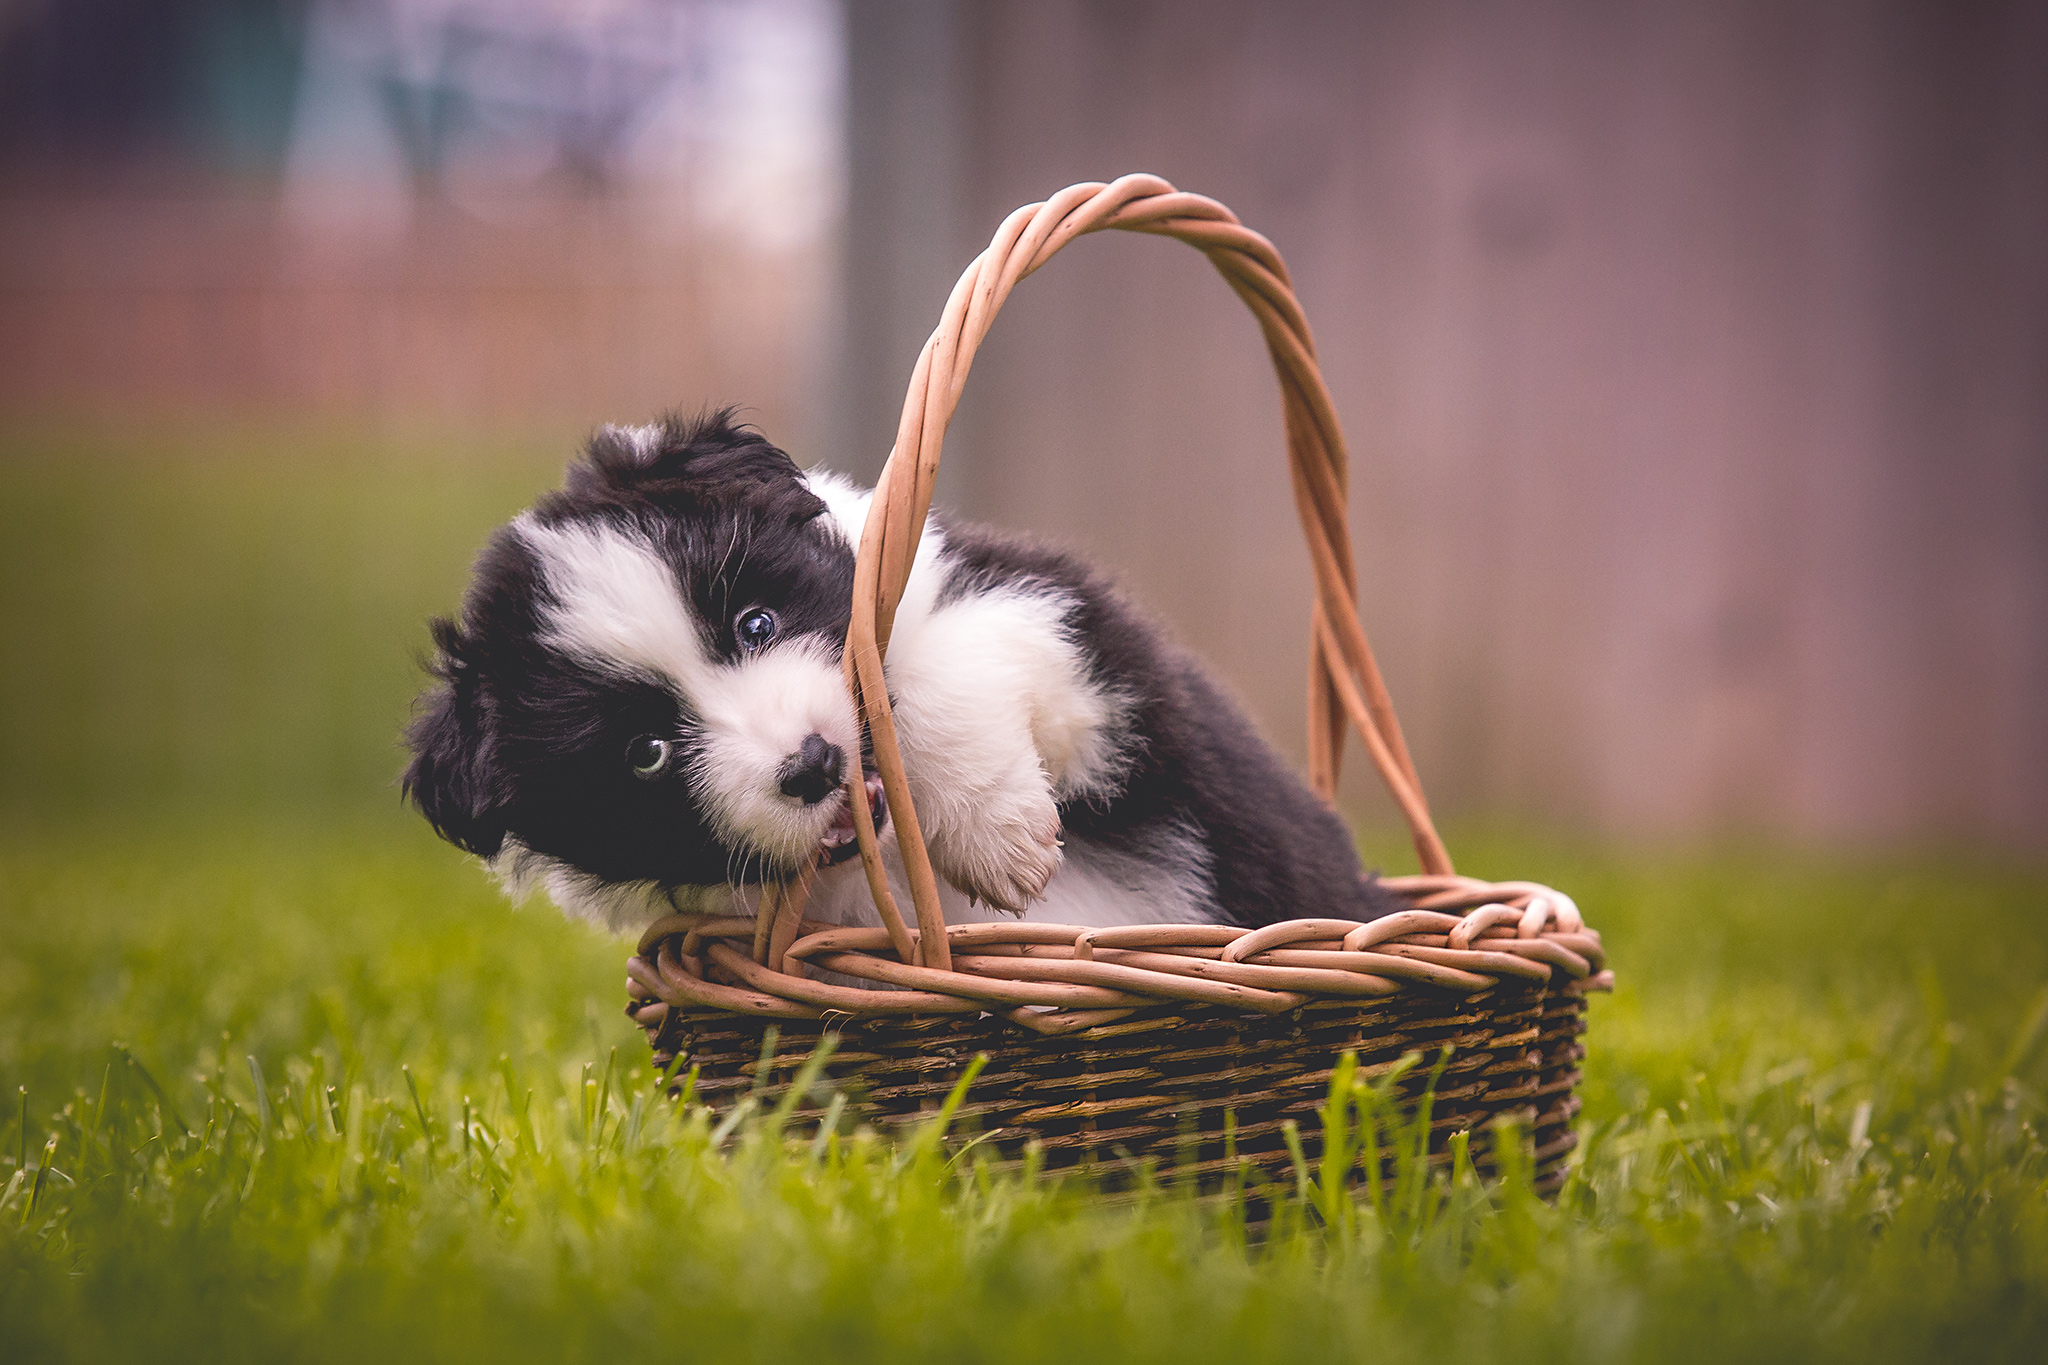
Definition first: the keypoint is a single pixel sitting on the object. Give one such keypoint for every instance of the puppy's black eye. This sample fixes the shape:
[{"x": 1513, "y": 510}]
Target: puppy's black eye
[
  {"x": 649, "y": 757},
  {"x": 755, "y": 628}
]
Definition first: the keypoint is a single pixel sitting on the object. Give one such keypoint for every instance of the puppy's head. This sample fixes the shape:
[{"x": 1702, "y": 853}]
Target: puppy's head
[{"x": 642, "y": 696}]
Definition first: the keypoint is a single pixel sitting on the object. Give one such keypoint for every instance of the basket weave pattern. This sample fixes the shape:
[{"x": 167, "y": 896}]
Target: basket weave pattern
[
  {"x": 1145, "y": 1038},
  {"x": 1200, "y": 1091}
]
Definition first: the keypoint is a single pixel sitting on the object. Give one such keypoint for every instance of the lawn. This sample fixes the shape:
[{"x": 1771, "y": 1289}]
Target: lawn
[{"x": 286, "y": 1079}]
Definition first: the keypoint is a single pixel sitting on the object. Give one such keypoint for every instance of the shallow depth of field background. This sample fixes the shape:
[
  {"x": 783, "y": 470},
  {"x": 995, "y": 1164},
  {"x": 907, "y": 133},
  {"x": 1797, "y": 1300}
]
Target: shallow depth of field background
[{"x": 1694, "y": 362}]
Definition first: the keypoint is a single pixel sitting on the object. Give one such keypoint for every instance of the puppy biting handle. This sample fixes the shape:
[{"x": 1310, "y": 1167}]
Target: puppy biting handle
[{"x": 1344, "y": 678}]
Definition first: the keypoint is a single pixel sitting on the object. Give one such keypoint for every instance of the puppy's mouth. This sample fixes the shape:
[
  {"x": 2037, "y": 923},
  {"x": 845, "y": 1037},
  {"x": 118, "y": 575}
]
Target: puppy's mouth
[{"x": 841, "y": 842}]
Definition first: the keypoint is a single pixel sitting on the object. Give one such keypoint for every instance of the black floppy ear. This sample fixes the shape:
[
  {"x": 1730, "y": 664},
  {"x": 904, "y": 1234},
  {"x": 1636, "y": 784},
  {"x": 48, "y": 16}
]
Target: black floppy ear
[{"x": 453, "y": 777}]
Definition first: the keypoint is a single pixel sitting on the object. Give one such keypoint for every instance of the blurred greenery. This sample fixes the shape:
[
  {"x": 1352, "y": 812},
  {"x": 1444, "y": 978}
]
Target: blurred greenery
[
  {"x": 286, "y": 1078},
  {"x": 229, "y": 621}
]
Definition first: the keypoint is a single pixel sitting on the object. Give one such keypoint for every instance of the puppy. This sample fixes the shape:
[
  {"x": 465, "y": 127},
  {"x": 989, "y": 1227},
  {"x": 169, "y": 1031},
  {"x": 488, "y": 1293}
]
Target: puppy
[{"x": 641, "y": 709}]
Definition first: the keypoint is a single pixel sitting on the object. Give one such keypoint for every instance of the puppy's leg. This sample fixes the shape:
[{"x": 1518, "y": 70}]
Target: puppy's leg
[
  {"x": 992, "y": 706},
  {"x": 995, "y": 836}
]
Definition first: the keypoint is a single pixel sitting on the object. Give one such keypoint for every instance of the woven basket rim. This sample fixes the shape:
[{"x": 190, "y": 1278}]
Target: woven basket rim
[{"x": 1061, "y": 978}]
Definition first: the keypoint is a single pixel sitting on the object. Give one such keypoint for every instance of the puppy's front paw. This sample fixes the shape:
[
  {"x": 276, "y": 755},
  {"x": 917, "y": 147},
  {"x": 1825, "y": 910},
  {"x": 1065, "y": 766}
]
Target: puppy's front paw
[{"x": 1005, "y": 860}]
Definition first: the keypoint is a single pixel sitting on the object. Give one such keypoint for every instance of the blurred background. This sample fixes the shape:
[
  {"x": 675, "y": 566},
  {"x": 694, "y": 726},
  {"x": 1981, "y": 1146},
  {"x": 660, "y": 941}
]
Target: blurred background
[{"x": 1694, "y": 361}]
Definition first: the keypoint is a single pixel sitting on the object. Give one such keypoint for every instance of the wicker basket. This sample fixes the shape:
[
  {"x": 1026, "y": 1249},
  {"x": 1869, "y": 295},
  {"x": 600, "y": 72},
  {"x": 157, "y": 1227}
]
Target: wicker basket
[{"x": 1196, "y": 1043}]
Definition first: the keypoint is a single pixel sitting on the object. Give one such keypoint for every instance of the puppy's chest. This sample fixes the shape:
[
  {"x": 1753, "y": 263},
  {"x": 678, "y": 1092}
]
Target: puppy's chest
[{"x": 1097, "y": 886}]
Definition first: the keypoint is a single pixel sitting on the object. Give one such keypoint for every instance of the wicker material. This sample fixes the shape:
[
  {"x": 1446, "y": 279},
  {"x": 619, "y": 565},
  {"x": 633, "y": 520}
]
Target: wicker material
[
  {"x": 1125, "y": 1039},
  {"x": 1056, "y": 978},
  {"x": 1199, "y": 1091}
]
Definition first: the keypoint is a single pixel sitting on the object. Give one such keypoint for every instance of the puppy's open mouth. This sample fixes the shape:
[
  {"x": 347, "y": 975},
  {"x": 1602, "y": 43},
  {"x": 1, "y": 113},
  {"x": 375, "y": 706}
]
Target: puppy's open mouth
[{"x": 840, "y": 841}]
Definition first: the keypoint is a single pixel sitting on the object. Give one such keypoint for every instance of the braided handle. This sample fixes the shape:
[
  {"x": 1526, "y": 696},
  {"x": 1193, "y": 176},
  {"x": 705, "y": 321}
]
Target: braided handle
[{"x": 1344, "y": 679}]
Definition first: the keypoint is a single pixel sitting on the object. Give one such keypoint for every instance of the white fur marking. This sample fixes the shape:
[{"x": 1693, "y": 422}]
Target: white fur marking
[
  {"x": 616, "y": 907},
  {"x": 642, "y": 441},
  {"x": 1095, "y": 888},
  {"x": 616, "y": 604}
]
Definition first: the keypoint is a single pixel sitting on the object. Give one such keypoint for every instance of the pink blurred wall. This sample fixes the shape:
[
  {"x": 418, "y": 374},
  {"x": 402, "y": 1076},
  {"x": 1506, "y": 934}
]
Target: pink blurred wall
[
  {"x": 566, "y": 312},
  {"x": 1694, "y": 361}
]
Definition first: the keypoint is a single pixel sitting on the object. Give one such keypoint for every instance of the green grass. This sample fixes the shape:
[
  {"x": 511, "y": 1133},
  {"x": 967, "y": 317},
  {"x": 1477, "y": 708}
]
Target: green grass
[
  {"x": 300, "y": 1086},
  {"x": 1811, "y": 1132}
]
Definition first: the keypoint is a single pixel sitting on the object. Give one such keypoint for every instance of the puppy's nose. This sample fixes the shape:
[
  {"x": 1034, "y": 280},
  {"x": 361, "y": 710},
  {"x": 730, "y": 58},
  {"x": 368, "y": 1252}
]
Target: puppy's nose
[{"x": 812, "y": 771}]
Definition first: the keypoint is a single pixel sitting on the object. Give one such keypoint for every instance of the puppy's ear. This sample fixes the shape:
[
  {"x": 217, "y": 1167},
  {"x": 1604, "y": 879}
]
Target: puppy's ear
[{"x": 453, "y": 777}]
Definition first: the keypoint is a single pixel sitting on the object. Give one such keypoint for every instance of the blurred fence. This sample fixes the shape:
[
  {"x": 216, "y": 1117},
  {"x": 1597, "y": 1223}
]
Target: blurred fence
[{"x": 577, "y": 311}]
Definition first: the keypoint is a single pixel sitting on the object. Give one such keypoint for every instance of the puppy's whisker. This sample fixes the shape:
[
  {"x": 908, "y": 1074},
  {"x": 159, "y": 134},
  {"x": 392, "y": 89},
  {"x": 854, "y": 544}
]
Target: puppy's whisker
[
  {"x": 746, "y": 550},
  {"x": 724, "y": 579}
]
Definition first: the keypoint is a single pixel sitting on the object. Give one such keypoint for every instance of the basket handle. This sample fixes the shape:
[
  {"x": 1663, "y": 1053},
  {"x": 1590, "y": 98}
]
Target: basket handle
[{"x": 1344, "y": 678}]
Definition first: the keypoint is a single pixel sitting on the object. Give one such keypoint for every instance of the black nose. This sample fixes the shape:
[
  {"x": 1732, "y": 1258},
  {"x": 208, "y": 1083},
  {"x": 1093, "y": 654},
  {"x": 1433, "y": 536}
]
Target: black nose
[{"x": 812, "y": 771}]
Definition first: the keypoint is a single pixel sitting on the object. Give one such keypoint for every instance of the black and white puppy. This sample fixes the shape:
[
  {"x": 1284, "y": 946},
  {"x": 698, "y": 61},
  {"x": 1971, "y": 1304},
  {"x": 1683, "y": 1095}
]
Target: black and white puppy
[{"x": 642, "y": 710}]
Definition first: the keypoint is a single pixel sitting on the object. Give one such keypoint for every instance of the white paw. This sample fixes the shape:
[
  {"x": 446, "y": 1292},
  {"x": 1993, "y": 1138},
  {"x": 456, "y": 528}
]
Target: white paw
[{"x": 1005, "y": 858}]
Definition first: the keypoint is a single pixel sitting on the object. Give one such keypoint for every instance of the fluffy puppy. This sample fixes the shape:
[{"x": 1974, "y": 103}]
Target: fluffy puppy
[{"x": 641, "y": 710}]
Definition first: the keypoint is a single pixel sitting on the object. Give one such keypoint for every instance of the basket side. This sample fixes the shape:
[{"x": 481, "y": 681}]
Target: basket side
[{"x": 1204, "y": 1093}]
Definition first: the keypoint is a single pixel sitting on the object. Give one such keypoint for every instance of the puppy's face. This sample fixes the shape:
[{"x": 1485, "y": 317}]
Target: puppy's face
[{"x": 644, "y": 687}]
